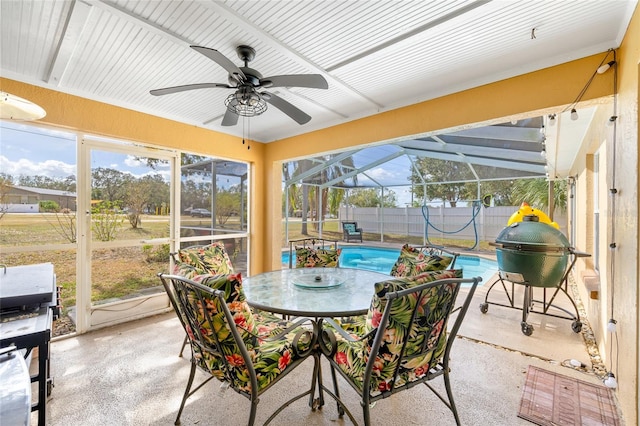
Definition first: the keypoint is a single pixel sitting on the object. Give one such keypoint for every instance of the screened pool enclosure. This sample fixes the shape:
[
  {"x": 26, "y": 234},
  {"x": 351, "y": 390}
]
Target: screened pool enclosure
[{"x": 439, "y": 171}]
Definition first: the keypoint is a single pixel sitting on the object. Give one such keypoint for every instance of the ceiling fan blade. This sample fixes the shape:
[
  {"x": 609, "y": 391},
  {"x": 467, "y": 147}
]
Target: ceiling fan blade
[
  {"x": 313, "y": 81},
  {"x": 288, "y": 108},
  {"x": 230, "y": 118},
  {"x": 176, "y": 89},
  {"x": 221, "y": 60}
]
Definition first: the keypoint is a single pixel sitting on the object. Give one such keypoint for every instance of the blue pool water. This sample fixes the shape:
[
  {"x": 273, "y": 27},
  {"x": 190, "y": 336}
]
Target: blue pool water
[{"x": 382, "y": 260}]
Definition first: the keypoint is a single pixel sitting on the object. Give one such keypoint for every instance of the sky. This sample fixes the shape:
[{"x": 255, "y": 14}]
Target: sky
[{"x": 30, "y": 151}]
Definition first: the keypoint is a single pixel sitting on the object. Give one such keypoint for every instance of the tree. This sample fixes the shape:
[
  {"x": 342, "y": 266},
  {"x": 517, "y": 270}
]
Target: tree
[
  {"x": 311, "y": 194},
  {"x": 5, "y": 187},
  {"x": 370, "y": 197},
  {"x": 536, "y": 193},
  {"x": 109, "y": 184},
  {"x": 143, "y": 194},
  {"x": 500, "y": 191},
  {"x": 227, "y": 204},
  {"x": 441, "y": 171},
  {"x": 67, "y": 184},
  {"x": 335, "y": 198}
]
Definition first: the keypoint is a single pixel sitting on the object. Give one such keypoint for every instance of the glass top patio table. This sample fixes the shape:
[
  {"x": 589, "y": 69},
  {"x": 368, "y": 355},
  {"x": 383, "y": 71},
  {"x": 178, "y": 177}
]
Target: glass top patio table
[{"x": 313, "y": 292}]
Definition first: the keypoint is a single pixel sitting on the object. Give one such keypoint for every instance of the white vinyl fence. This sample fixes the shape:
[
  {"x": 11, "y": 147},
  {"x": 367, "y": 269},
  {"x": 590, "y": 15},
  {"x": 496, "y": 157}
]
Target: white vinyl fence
[{"x": 410, "y": 221}]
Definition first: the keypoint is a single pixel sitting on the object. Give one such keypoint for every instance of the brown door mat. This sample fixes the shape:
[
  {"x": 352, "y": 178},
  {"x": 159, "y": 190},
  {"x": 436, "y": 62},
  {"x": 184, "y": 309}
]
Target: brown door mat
[{"x": 550, "y": 399}]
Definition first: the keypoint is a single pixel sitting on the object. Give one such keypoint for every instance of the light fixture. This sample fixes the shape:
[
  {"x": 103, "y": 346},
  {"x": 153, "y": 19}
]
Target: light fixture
[
  {"x": 574, "y": 114},
  {"x": 15, "y": 108},
  {"x": 612, "y": 120},
  {"x": 611, "y": 326},
  {"x": 246, "y": 102},
  {"x": 552, "y": 119},
  {"x": 603, "y": 68},
  {"x": 610, "y": 381}
]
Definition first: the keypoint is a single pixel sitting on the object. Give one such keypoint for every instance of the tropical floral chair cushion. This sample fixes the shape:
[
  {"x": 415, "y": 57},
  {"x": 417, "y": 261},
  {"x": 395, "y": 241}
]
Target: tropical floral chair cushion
[
  {"x": 211, "y": 259},
  {"x": 424, "y": 341},
  {"x": 413, "y": 261},
  {"x": 307, "y": 257},
  {"x": 185, "y": 270},
  {"x": 271, "y": 352}
]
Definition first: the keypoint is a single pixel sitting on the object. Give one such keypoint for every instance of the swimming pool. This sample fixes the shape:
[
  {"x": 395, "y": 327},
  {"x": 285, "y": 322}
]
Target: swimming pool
[{"x": 382, "y": 260}]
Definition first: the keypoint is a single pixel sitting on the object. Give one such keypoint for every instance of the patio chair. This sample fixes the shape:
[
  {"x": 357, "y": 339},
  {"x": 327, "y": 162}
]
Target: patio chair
[
  {"x": 350, "y": 231},
  {"x": 402, "y": 342},
  {"x": 247, "y": 351},
  {"x": 414, "y": 260},
  {"x": 199, "y": 260},
  {"x": 205, "y": 259},
  {"x": 314, "y": 253}
]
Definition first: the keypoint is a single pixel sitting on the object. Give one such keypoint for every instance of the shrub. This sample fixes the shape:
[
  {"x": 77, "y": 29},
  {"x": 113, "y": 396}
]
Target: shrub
[
  {"x": 156, "y": 253},
  {"x": 48, "y": 206}
]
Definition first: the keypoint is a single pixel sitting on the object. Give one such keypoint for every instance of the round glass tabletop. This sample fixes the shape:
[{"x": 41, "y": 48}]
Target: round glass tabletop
[{"x": 315, "y": 292}]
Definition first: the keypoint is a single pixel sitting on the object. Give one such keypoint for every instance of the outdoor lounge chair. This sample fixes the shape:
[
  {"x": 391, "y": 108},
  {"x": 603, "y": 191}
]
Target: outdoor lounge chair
[
  {"x": 249, "y": 351},
  {"x": 414, "y": 260},
  {"x": 351, "y": 231},
  {"x": 314, "y": 253},
  {"x": 402, "y": 342}
]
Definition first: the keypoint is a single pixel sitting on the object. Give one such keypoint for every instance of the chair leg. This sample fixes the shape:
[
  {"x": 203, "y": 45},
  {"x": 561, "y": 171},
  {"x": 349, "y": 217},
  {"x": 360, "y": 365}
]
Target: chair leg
[
  {"x": 252, "y": 414},
  {"x": 316, "y": 381},
  {"x": 336, "y": 391},
  {"x": 447, "y": 385},
  {"x": 184, "y": 343},
  {"x": 186, "y": 391},
  {"x": 366, "y": 414}
]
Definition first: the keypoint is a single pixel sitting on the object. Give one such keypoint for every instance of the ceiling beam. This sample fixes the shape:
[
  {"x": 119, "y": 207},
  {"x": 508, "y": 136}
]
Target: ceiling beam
[
  {"x": 232, "y": 16},
  {"x": 521, "y": 134},
  {"x": 363, "y": 169},
  {"x": 317, "y": 169},
  {"x": 482, "y": 161},
  {"x": 422, "y": 28},
  {"x": 73, "y": 28},
  {"x": 475, "y": 150}
]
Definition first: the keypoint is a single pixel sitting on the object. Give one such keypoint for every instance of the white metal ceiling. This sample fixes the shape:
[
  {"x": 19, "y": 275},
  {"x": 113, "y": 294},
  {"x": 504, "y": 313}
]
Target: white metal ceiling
[{"x": 376, "y": 55}]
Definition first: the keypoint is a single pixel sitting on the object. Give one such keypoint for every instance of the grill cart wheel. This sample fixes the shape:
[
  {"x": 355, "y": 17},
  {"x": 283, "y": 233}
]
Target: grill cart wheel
[
  {"x": 527, "y": 329},
  {"x": 576, "y": 326}
]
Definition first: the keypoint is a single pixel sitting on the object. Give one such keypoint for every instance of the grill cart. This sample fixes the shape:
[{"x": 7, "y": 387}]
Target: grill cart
[{"x": 535, "y": 254}]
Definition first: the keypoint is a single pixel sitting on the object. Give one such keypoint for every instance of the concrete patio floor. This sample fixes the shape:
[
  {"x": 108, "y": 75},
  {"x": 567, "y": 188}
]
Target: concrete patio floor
[{"x": 131, "y": 375}]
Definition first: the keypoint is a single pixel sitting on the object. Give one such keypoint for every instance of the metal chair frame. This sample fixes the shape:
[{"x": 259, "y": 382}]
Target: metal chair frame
[
  {"x": 441, "y": 369},
  {"x": 175, "y": 258},
  {"x": 176, "y": 288},
  {"x": 432, "y": 249},
  {"x": 314, "y": 243}
]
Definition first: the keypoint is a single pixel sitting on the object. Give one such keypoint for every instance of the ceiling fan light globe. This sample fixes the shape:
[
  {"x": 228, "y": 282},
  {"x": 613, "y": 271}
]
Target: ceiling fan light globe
[{"x": 245, "y": 104}]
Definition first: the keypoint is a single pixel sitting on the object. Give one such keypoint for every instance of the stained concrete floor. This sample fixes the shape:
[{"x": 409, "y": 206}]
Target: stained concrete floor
[{"x": 131, "y": 375}]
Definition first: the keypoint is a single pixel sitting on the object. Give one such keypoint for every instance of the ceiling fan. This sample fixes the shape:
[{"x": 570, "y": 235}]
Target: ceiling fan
[{"x": 249, "y": 98}]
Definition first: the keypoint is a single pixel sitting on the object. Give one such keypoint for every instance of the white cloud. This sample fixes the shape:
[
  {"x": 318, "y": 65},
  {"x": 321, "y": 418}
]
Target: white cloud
[
  {"x": 382, "y": 174},
  {"x": 50, "y": 168},
  {"x": 131, "y": 161}
]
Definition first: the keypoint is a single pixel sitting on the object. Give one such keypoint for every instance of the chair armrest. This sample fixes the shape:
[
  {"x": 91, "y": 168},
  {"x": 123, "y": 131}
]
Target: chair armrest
[
  {"x": 348, "y": 336},
  {"x": 268, "y": 338}
]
